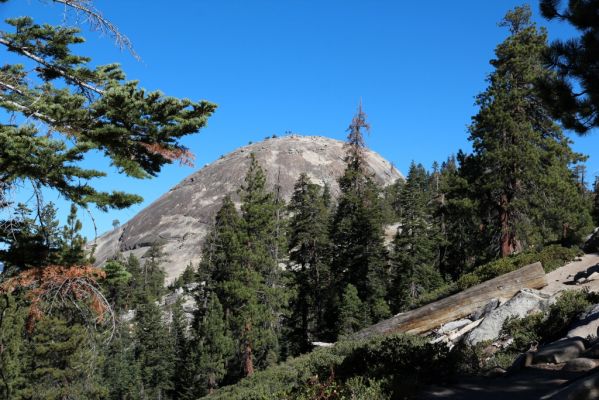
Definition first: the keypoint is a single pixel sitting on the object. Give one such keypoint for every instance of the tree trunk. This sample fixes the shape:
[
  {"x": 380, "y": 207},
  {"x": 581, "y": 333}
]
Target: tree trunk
[
  {"x": 459, "y": 305},
  {"x": 248, "y": 359},
  {"x": 507, "y": 239}
]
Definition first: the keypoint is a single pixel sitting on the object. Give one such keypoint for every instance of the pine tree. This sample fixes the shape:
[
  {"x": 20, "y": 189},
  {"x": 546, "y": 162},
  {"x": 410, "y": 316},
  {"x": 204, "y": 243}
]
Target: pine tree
[
  {"x": 116, "y": 284},
  {"x": 185, "y": 278},
  {"x": 520, "y": 154},
  {"x": 86, "y": 108},
  {"x": 155, "y": 351},
  {"x": 61, "y": 362},
  {"x": 12, "y": 345},
  {"x": 121, "y": 369},
  {"x": 308, "y": 263},
  {"x": 596, "y": 201},
  {"x": 572, "y": 94},
  {"x": 182, "y": 371},
  {"x": 415, "y": 245},
  {"x": 457, "y": 212},
  {"x": 72, "y": 249},
  {"x": 261, "y": 243},
  {"x": 356, "y": 233},
  {"x": 351, "y": 312},
  {"x": 152, "y": 273},
  {"x": 134, "y": 292},
  {"x": 213, "y": 347},
  {"x": 31, "y": 239}
]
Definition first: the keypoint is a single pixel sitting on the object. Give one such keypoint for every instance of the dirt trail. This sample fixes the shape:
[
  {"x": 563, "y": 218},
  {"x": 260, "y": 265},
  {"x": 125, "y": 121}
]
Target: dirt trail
[{"x": 564, "y": 278}]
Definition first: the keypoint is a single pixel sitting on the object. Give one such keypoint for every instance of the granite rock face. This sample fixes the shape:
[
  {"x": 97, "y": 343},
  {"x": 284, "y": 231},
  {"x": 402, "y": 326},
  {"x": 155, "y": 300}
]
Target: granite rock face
[{"x": 182, "y": 217}]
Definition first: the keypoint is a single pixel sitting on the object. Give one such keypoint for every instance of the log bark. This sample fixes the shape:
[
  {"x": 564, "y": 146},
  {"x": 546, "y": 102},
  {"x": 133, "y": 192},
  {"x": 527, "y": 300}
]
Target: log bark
[{"x": 459, "y": 305}]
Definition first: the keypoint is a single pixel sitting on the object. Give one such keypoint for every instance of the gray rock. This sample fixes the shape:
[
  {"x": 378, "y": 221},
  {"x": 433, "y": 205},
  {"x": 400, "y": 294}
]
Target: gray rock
[
  {"x": 592, "y": 243},
  {"x": 581, "y": 364},
  {"x": 586, "y": 388},
  {"x": 560, "y": 351},
  {"x": 483, "y": 312},
  {"x": 454, "y": 326},
  {"x": 182, "y": 217},
  {"x": 587, "y": 324},
  {"x": 522, "y": 361},
  {"x": 523, "y": 303},
  {"x": 593, "y": 276},
  {"x": 593, "y": 351}
]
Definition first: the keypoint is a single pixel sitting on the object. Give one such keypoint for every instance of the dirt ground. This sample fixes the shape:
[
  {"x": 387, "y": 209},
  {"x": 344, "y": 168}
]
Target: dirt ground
[{"x": 564, "y": 278}]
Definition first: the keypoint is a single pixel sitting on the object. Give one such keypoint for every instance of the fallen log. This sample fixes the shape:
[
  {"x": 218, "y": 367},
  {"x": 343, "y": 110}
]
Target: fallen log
[{"x": 459, "y": 305}]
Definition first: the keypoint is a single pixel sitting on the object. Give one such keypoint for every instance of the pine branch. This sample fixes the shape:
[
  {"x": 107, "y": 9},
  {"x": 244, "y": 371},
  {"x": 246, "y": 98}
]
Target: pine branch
[{"x": 58, "y": 70}]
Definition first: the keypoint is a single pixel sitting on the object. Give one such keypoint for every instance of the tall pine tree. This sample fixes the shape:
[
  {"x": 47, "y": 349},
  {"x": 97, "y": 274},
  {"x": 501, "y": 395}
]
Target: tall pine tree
[
  {"x": 359, "y": 254},
  {"x": 308, "y": 263},
  {"x": 520, "y": 154},
  {"x": 415, "y": 258}
]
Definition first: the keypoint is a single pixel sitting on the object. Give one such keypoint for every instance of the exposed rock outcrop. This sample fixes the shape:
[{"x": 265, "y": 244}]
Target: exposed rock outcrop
[
  {"x": 181, "y": 217},
  {"x": 522, "y": 304}
]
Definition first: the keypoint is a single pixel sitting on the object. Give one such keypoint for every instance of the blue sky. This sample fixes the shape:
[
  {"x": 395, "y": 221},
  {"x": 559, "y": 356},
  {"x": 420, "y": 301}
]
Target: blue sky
[{"x": 274, "y": 66}]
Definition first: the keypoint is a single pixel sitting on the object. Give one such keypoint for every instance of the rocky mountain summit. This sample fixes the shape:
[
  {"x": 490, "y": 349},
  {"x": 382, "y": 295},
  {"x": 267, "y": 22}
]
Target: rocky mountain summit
[{"x": 181, "y": 218}]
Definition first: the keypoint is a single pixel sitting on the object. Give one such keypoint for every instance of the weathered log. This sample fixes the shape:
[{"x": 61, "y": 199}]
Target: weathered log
[{"x": 461, "y": 304}]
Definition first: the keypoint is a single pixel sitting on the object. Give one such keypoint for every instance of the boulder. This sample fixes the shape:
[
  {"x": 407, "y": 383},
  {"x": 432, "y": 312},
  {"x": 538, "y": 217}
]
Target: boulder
[
  {"x": 522, "y": 361},
  {"x": 454, "y": 325},
  {"x": 483, "y": 312},
  {"x": 586, "y": 388},
  {"x": 593, "y": 351},
  {"x": 592, "y": 243},
  {"x": 587, "y": 324},
  {"x": 525, "y": 302},
  {"x": 581, "y": 364},
  {"x": 558, "y": 352}
]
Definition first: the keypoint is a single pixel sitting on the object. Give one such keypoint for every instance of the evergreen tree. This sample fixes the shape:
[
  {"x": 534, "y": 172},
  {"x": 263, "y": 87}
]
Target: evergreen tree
[
  {"x": 260, "y": 327},
  {"x": 71, "y": 108},
  {"x": 415, "y": 245},
  {"x": 155, "y": 351},
  {"x": 116, "y": 284},
  {"x": 134, "y": 292},
  {"x": 520, "y": 154},
  {"x": 308, "y": 263},
  {"x": 121, "y": 369},
  {"x": 30, "y": 239},
  {"x": 152, "y": 273},
  {"x": 213, "y": 348},
  {"x": 572, "y": 94},
  {"x": 185, "y": 278},
  {"x": 182, "y": 372},
  {"x": 12, "y": 329},
  {"x": 461, "y": 244},
  {"x": 358, "y": 252},
  {"x": 61, "y": 362},
  {"x": 351, "y": 312},
  {"x": 72, "y": 249}
]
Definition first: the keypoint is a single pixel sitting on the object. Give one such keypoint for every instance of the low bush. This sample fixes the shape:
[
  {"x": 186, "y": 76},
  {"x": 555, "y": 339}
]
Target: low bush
[
  {"x": 392, "y": 367},
  {"x": 551, "y": 257}
]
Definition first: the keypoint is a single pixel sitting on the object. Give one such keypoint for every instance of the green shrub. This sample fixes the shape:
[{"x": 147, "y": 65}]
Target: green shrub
[
  {"x": 543, "y": 328},
  {"x": 551, "y": 257},
  {"x": 468, "y": 280},
  {"x": 375, "y": 369}
]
